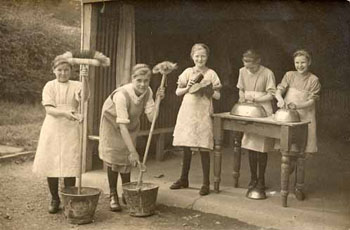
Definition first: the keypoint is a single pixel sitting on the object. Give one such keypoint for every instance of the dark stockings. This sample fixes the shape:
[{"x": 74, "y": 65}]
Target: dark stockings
[
  {"x": 53, "y": 185},
  {"x": 186, "y": 164},
  {"x": 112, "y": 180},
  {"x": 205, "y": 158},
  {"x": 125, "y": 177},
  {"x": 257, "y": 160}
]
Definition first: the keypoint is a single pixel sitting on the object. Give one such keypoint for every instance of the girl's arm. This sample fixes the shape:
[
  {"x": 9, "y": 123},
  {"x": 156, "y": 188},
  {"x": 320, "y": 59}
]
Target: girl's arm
[
  {"x": 267, "y": 97},
  {"x": 216, "y": 95},
  {"x": 55, "y": 112},
  {"x": 303, "y": 105},
  {"x": 280, "y": 101},
  {"x": 181, "y": 91},
  {"x": 150, "y": 109},
  {"x": 241, "y": 95}
]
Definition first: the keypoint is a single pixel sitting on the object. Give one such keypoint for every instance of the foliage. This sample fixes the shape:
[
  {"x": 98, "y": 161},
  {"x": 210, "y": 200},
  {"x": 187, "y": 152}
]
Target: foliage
[
  {"x": 30, "y": 37},
  {"x": 20, "y": 124}
]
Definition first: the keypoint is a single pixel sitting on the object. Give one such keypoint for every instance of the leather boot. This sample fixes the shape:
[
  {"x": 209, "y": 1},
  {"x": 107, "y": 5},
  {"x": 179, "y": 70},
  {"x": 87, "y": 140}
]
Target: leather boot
[
  {"x": 253, "y": 164},
  {"x": 186, "y": 164},
  {"x": 114, "y": 202},
  {"x": 112, "y": 181},
  {"x": 55, "y": 200},
  {"x": 205, "y": 158}
]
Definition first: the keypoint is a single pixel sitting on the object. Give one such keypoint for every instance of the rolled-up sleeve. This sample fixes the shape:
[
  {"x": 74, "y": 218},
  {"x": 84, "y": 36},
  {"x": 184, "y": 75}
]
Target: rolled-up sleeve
[
  {"x": 315, "y": 89},
  {"x": 183, "y": 79},
  {"x": 121, "y": 108},
  {"x": 284, "y": 85},
  {"x": 77, "y": 92},
  {"x": 48, "y": 95},
  {"x": 271, "y": 83},
  {"x": 240, "y": 84},
  {"x": 215, "y": 80}
]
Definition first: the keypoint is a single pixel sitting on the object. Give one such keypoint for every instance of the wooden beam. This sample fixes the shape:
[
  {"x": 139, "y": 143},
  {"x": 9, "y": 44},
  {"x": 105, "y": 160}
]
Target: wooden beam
[
  {"x": 88, "y": 42},
  {"x": 96, "y": 1}
]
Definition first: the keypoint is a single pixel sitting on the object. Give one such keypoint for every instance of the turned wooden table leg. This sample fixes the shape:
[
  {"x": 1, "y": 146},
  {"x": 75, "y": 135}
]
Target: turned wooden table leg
[
  {"x": 285, "y": 171},
  {"x": 236, "y": 158},
  {"x": 217, "y": 165},
  {"x": 300, "y": 178}
]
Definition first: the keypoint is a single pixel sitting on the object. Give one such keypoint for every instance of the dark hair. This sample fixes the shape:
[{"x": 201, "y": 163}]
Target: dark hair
[{"x": 252, "y": 54}]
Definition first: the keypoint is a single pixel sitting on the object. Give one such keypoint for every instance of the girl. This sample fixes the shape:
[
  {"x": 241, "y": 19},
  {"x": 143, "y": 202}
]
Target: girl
[
  {"x": 194, "y": 126},
  {"x": 120, "y": 123},
  {"x": 301, "y": 89},
  {"x": 58, "y": 148},
  {"x": 256, "y": 83}
]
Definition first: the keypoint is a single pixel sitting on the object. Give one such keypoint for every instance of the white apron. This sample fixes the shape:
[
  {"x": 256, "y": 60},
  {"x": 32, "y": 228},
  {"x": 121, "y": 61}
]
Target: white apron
[
  {"x": 194, "y": 127},
  {"x": 253, "y": 141},
  {"x": 307, "y": 114},
  {"x": 57, "y": 154}
]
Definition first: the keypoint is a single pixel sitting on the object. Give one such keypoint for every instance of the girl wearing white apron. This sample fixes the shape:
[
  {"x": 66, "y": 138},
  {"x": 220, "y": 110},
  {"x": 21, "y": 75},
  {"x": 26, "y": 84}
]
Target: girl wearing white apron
[
  {"x": 57, "y": 154},
  {"x": 256, "y": 83},
  {"x": 301, "y": 89},
  {"x": 194, "y": 126}
]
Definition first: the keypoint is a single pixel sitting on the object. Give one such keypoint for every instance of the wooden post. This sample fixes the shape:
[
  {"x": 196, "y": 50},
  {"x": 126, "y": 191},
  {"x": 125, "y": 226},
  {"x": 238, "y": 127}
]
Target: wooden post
[{"x": 88, "y": 42}]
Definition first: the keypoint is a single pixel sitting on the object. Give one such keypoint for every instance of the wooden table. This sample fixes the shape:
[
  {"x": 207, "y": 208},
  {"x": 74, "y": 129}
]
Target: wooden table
[{"x": 287, "y": 133}]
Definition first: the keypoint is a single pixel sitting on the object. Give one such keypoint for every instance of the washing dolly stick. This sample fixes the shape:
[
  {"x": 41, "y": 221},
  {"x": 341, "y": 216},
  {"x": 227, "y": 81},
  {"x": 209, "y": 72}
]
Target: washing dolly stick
[
  {"x": 85, "y": 58},
  {"x": 163, "y": 68}
]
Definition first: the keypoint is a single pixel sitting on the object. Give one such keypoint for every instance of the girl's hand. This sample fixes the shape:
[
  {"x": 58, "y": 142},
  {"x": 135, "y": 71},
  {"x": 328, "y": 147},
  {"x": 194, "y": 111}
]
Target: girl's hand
[
  {"x": 70, "y": 115},
  {"x": 241, "y": 99},
  {"x": 292, "y": 106},
  {"x": 190, "y": 83},
  {"x": 280, "y": 103},
  {"x": 78, "y": 117},
  {"x": 160, "y": 93},
  {"x": 134, "y": 158},
  {"x": 249, "y": 98}
]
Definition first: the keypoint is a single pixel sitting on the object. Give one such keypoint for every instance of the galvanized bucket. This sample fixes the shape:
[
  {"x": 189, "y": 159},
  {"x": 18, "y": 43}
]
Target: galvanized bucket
[
  {"x": 141, "y": 200},
  {"x": 80, "y": 208}
]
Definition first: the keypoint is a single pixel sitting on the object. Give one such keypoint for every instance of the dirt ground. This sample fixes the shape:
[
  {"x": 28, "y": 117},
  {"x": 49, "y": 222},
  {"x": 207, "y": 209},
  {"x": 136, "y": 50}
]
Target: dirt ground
[{"x": 24, "y": 200}]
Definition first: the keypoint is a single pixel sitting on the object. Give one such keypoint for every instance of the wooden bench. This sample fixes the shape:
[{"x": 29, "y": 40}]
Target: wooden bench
[{"x": 160, "y": 133}]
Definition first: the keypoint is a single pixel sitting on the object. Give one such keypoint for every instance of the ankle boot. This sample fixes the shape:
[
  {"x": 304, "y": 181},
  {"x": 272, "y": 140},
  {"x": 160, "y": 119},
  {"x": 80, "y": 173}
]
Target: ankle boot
[
  {"x": 55, "y": 199},
  {"x": 112, "y": 181},
  {"x": 54, "y": 206},
  {"x": 114, "y": 202},
  {"x": 205, "y": 158},
  {"x": 253, "y": 169},
  {"x": 186, "y": 164}
]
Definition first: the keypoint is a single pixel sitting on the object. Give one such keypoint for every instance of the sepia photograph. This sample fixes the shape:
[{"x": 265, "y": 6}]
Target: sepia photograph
[{"x": 175, "y": 114}]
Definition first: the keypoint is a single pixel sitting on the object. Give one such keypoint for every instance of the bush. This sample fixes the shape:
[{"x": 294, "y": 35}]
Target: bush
[{"x": 30, "y": 38}]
